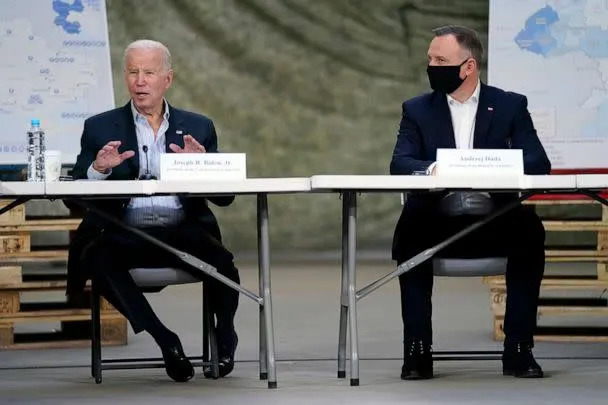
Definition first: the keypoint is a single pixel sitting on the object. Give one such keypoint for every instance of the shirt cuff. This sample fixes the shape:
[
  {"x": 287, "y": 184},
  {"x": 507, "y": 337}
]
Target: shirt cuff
[
  {"x": 93, "y": 174},
  {"x": 429, "y": 170}
]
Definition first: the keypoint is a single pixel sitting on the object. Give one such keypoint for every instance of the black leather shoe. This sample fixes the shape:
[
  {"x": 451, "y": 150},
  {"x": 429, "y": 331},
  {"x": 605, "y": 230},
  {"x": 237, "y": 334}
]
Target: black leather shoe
[
  {"x": 225, "y": 365},
  {"x": 225, "y": 361},
  {"x": 418, "y": 360},
  {"x": 518, "y": 361},
  {"x": 177, "y": 365}
]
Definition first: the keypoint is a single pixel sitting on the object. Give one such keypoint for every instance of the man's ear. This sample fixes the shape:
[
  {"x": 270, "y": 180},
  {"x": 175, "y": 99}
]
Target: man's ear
[
  {"x": 475, "y": 65},
  {"x": 468, "y": 68},
  {"x": 169, "y": 78}
]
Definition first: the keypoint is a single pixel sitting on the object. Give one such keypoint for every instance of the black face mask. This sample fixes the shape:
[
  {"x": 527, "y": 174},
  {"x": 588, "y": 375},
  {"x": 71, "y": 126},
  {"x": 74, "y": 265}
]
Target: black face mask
[{"x": 445, "y": 79}]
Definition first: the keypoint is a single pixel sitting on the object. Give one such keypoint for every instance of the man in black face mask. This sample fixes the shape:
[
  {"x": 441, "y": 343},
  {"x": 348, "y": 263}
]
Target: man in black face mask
[{"x": 464, "y": 113}]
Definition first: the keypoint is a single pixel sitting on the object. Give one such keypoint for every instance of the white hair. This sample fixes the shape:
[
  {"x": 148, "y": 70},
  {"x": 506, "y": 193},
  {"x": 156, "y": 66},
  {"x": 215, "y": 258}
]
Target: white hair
[{"x": 149, "y": 44}]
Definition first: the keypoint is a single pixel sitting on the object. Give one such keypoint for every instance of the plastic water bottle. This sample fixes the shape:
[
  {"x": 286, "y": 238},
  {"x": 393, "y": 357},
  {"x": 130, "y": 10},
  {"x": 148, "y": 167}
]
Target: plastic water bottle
[{"x": 36, "y": 146}]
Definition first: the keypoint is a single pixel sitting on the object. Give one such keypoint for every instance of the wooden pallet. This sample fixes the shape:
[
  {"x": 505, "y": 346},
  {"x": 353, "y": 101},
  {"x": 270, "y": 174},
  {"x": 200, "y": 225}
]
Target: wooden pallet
[
  {"x": 599, "y": 226},
  {"x": 16, "y": 229},
  {"x": 588, "y": 307},
  {"x": 75, "y": 321},
  {"x": 15, "y": 236},
  {"x": 557, "y": 333},
  {"x": 566, "y": 305}
]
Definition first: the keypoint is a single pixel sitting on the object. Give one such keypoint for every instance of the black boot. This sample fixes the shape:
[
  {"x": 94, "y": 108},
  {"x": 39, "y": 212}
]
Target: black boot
[
  {"x": 418, "y": 360},
  {"x": 177, "y": 365},
  {"x": 518, "y": 361},
  {"x": 225, "y": 360}
]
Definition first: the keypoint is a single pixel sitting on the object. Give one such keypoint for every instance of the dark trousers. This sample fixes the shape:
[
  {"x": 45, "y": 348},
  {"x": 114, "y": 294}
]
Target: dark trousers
[
  {"x": 115, "y": 252},
  {"x": 518, "y": 235}
]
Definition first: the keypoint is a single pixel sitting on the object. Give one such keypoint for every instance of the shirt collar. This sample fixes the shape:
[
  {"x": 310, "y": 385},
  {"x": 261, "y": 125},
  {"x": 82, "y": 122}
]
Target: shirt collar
[
  {"x": 138, "y": 117},
  {"x": 473, "y": 99}
]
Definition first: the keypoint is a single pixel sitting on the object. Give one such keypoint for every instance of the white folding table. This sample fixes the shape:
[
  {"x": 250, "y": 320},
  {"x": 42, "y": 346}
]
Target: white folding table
[
  {"x": 350, "y": 185},
  {"x": 82, "y": 191}
]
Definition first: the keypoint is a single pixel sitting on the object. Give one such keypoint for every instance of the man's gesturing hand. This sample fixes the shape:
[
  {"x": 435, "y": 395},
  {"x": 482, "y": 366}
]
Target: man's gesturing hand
[
  {"x": 108, "y": 157},
  {"x": 190, "y": 146}
]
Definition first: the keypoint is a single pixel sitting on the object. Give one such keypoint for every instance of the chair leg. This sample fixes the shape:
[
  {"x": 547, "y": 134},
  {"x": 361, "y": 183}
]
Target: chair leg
[
  {"x": 205, "y": 329},
  {"x": 210, "y": 350},
  {"x": 95, "y": 333}
]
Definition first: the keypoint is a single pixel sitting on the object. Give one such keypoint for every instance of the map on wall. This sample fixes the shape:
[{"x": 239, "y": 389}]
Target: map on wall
[
  {"x": 56, "y": 68},
  {"x": 556, "y": 53}
]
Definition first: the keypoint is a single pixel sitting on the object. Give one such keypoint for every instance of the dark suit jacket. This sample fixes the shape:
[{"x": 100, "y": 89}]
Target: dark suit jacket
[
  {"x": 118, "y": 124},
  {"x": 502, "y": 122}
]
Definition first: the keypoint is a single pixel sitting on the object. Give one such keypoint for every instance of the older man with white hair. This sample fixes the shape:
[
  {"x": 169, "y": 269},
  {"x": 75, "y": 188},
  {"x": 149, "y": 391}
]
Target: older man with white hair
[{"x": 125, "y": 144}]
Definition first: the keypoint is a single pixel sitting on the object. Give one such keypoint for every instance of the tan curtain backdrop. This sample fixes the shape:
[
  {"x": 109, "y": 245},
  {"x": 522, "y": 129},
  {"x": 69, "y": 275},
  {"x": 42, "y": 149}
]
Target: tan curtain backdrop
[{"x": 303, "y": 87}]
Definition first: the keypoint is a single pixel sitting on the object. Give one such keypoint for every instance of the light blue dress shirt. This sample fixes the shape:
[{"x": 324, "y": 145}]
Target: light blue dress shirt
[{"x": 148, "y": 211}]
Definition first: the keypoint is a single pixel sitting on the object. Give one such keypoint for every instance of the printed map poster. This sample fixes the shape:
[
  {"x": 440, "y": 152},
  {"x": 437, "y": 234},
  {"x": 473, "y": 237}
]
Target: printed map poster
[
  {"x": 556, "y": 53},
  {"x": 55, "y": 67}
]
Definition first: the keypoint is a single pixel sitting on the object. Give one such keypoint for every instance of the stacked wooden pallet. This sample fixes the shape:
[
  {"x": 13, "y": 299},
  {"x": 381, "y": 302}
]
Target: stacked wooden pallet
[
  {"x": 575, "y": 300},
  {"x": 19, "y": 291}
]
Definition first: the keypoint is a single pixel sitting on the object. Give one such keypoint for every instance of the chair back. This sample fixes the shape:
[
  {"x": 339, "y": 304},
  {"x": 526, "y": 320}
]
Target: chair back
[{"x": 466, "y": 203}]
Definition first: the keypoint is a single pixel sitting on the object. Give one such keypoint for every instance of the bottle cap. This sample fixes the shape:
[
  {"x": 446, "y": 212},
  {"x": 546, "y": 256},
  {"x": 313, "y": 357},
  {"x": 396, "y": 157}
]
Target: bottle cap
[{"x": 35, "y": 122}]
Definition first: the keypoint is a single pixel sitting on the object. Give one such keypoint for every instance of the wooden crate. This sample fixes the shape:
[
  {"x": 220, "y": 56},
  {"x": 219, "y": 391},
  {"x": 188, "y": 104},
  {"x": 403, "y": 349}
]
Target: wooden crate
[{"x": 73, "y": 332}]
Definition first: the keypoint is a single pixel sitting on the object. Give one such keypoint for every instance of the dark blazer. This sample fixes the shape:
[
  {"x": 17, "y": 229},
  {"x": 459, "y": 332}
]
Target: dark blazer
[
  {"x": 502, "y": 122},
  {"x": 118, "y": 125}
]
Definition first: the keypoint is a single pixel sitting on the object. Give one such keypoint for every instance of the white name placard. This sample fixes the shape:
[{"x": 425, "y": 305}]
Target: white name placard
[
  {"x": 480, "y": 162},
  {"x": 203, "y": 166}
]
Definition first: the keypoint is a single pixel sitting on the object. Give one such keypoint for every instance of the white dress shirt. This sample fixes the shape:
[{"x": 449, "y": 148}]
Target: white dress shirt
[
  {"x": 463, "y": 121},
  {"x": 463, "y": 118},
  {"x": 156, "y": 210}
]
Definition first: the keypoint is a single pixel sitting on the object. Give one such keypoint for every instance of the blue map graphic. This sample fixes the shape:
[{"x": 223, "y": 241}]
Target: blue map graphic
[
  {"x": 546, "y": 30},
  {"x": 556, "y": 31},
  {"x": 536, "y": 36},
  {"x": 63, "y": 10},
  {"x": 56, "y": 68}
]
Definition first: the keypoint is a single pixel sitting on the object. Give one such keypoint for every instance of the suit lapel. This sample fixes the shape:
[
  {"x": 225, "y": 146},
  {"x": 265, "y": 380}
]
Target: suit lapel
[
  {"x": 175, "y": 132},
  {"x": 483, "y": 118},
  {"x": 442, "y": 119},
  {"x": 126, "y": 128}
]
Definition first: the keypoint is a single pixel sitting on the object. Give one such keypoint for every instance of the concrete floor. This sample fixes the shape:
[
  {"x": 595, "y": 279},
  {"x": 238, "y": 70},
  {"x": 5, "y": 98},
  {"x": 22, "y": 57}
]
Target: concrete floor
[{"x": 306, "y": 315}]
